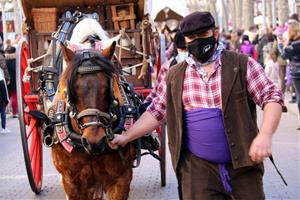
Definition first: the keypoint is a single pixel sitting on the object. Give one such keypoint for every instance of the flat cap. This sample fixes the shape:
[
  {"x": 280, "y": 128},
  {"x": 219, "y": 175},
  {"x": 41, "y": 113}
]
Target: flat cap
[{"x": 196, "y": 22}]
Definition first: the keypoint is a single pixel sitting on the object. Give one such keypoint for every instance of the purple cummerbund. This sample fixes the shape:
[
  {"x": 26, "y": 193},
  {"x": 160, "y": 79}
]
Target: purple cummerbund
[{"x": 205, "y": 135}]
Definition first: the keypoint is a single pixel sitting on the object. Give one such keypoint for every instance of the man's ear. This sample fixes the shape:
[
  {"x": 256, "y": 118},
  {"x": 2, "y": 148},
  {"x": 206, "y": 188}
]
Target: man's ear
[
  {"x": 217, "y": 33},
  {"x": 109, "y": 51},
  {"x": 68, "y": 54}
]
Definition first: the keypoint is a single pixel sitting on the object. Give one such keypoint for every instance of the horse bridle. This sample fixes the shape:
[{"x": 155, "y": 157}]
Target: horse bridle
[
  {"x": 102, "y": 119},
  {"x": 66, "y": 110}
]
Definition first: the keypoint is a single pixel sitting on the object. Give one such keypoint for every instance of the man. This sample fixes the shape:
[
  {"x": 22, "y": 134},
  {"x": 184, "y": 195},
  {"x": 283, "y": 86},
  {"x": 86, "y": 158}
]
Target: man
[
  {"x": 208, "y": 101},
  {"x": 179, "y": 54}
]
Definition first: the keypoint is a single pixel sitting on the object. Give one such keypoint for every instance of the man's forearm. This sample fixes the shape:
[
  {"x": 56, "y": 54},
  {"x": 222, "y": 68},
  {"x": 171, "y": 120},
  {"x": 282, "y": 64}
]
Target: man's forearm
[
  {"x": 271, "y": 117},
  {"x": 145, "y": 124}
]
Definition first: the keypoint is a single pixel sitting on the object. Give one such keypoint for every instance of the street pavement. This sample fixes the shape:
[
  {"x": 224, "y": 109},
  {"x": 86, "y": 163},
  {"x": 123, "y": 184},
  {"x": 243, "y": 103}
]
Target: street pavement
[{"x": 146, "y": 181}]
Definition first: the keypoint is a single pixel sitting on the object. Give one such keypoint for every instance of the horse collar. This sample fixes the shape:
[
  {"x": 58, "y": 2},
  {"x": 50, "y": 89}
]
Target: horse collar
[{"x": 63, "y": 136}]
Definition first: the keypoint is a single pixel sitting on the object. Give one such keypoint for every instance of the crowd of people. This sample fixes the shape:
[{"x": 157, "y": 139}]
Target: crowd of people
[
  {"x": 276, "y": 49},
  {"x": 8, "y": 90}
]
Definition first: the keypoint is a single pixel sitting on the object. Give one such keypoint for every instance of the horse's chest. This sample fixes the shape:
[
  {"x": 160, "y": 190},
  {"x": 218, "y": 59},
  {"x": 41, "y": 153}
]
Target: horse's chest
[{"x": 78, "y": 164}]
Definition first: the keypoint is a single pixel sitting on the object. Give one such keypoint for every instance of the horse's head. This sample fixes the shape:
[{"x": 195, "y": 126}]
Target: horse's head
[{"x": 87, "y": 82}]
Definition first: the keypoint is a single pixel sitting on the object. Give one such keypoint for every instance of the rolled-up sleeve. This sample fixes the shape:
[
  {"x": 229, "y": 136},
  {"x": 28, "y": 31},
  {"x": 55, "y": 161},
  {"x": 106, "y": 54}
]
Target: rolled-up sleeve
[{"x": 260, "y": 88}]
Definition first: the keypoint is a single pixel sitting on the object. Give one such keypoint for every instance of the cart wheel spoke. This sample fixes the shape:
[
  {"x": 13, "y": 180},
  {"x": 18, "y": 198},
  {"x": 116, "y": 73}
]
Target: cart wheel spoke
[
  {"x": 36, "y": 161},
  {"x": 30, "y": 128},
  {"x": 33, "y": 145}
]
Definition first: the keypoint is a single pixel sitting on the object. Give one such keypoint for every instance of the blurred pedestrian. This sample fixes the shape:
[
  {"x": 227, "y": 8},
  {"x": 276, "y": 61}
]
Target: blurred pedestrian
[
  {"x": 226, "y": 39},
  {"x": 292, "y": 52},
  {"x": 235, "y": 41},
  {"x": 284, "y": 66},
  {"x": 209, "y": 102},
  {"x": 282, "y": 63},
  {"x": 270, "y": 59},
  {"x": 290, "y": 85},
  {"x": 272, "y": 69},
  {"x": 268, "y": 47},
  {"x": 246, "y": 47},
  {"x": 17, "y": 39},
  {"x": 179, "y": 54},
  {"x": 3, "y": 66},
  {"x": 3, "y": 100},
  {"x": 262, "y": 41},
  {"x": 10, "y": 57},
  {"x": 170, "y": 47}
]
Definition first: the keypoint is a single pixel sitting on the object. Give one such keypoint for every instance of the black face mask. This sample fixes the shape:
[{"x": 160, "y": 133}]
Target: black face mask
[{"x": 202, "y": 48}]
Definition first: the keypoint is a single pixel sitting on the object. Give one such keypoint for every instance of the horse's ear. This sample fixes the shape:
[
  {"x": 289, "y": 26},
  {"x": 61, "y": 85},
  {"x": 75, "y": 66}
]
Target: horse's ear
[
  {"x": 67, "y": 53},
  {"x": 109, "y": 51}
]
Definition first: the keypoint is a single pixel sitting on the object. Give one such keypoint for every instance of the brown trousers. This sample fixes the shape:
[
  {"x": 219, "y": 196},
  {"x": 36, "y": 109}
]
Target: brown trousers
[{"x": 200, "y": 180}]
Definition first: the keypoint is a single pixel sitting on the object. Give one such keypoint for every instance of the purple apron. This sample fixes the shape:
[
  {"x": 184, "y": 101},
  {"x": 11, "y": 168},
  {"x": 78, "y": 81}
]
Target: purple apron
[{"x": 205, "y": 137}]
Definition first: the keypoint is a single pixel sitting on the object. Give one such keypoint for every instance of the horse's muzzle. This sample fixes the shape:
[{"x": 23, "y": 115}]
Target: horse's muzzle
[{"x": 93, "y": 149}]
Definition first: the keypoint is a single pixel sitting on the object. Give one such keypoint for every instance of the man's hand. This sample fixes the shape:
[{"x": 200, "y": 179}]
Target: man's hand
[
  {"x": 261, "y": 148},
  {"x": 119, "y": 140},
  {"x": 145, "y": 124}
]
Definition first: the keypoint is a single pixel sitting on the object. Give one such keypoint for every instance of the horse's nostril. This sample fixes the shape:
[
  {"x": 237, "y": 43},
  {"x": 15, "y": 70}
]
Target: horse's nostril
[{"x": 86, "y": 145}]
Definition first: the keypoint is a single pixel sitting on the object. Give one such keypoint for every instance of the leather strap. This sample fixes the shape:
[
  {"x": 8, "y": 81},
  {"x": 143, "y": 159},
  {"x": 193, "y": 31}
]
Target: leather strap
[
  {"x": 93, "y": 112},
  {"x": 116, "y": 90}
]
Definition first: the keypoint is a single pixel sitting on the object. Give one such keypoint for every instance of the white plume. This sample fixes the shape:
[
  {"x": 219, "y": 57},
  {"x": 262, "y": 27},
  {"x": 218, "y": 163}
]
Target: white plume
[{"x": 86, "y": 27}]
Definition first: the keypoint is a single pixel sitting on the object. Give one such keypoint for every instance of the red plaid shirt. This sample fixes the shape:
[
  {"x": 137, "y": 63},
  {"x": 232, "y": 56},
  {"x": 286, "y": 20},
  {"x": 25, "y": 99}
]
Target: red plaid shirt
[{"x": 198, "y": 93}]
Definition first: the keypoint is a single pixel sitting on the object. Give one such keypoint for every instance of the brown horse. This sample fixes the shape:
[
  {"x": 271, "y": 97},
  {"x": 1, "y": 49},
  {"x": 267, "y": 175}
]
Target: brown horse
[{"x": 91, "y": 168}]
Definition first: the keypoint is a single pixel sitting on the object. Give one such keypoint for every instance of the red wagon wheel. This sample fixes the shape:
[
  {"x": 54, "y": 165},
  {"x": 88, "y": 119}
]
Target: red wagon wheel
[{"x": 29, "y": 126}]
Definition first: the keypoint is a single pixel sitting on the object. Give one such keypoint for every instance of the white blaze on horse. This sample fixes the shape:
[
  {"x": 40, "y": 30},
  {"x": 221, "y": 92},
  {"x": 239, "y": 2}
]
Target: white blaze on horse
[{"x": 89, "y": 168}]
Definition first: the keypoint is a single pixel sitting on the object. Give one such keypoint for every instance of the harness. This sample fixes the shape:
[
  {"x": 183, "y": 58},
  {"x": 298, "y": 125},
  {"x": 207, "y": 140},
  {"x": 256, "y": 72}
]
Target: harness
[
  {"x": 123, "y": 106},
  {"x": 49, "y": 75},
  {"x": 124, "y": 103}
]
